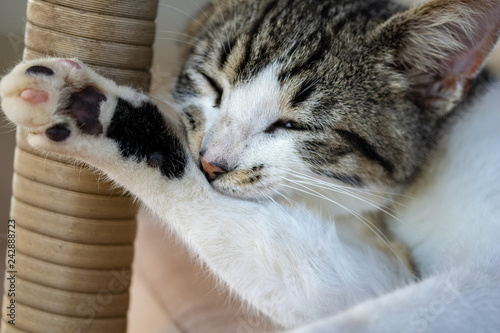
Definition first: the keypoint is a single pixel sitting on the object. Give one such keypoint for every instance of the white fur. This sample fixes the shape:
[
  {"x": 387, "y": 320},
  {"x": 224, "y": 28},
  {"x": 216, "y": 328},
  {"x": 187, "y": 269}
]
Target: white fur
[
  {"x": 242, "y": 118},
  {"x": 290, "y": 263},
  {"x": 464, "y": 180},
  {"x": 286, "y": 262},
  {"x": 451, "y": 223},
  {"x": 234, "y": 132}
]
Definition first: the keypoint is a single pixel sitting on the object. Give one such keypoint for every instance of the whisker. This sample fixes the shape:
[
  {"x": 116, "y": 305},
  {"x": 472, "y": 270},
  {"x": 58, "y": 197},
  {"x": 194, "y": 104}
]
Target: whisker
[
  {"x": 172, "y": 105},
  {"x": 180, "y": 34},
  {"x": 184, "y": 13},
  {"x": 369, "y": 202},
  {"x": 224, "y": 21},
  {"x": 285, "y": 198},
  {"x": 234, "y": 18},
  {"x": 373, "y": 228},
  {"x": 311, "y": 85},
  {"x": 337, "y": 188},
  {"x": 348, "y": 191},
  {"x": 8, "y": 126},
  {"x": 273, "y": 200},
  {"x": 176, "y": 40},
  {"x": 211, "y": 23},
  {"x": 319, "y": 195},
  {"x": 171, "y": 117},
  {"x": 366, "y": 191},
  {"x": 192, "y": 18}
]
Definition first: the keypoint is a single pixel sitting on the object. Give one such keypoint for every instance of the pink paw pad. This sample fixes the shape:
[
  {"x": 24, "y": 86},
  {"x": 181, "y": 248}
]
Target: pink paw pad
[
  {"x": 34, "y": 96},
  {"x": 71, "y": 63}
]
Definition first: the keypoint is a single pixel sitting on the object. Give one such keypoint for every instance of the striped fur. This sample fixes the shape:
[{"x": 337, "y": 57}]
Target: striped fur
[
  {"x": 342, "y": 76},
  {"x": 330, "y": 100}
]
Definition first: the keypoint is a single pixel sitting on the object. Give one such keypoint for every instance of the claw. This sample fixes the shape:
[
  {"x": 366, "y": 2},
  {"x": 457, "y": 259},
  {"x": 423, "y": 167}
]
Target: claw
[{"x": 71, "y": 63}]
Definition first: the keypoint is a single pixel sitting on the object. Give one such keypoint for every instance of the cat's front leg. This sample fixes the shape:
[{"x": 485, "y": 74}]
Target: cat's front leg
[
  {"x": 464, "y": 299},
  {"x": 288, "y": 263},
  {"x": 70, "y": 110}
]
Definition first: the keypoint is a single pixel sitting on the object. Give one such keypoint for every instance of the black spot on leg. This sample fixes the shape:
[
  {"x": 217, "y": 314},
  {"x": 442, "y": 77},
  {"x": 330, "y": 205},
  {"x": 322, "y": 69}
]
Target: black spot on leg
[
  {"x": 58, "y": 133},
  {"x": 39, "y": 70},
  {"x": 84, "y": 107},
  {"x": 142, "y": 133}
]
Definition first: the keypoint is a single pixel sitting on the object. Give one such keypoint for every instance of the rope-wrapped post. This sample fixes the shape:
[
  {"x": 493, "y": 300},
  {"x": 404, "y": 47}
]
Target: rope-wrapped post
[{"x": 74, "y": 232}]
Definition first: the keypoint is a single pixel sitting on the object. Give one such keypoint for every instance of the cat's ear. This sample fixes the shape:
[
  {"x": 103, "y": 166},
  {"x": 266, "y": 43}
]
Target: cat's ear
[{"x": 441, "y": 46}]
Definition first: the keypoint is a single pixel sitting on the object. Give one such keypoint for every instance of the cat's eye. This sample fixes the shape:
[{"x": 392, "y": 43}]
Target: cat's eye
[
  {"x": 287, "y": 125},
  {"x": 294, "y": 126},
  {"x": 216, "y": 88}
]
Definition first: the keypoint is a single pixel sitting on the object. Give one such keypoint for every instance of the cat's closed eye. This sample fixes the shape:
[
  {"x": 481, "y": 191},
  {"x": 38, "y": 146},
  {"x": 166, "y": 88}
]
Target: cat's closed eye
[
  {"x": 294, "y": 126},
  {"x": 287, "y": 125},
  {"x": 216, "y": 88}
]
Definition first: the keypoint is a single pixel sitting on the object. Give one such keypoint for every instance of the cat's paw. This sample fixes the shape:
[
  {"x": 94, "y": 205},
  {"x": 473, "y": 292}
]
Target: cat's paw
[
  {"x": 56, "y": 100},
  {"x": 70, "y": 110}
]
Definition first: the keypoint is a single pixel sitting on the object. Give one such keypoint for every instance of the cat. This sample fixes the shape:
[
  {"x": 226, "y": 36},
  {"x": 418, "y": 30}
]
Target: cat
[{"x": 298, "y": 117}]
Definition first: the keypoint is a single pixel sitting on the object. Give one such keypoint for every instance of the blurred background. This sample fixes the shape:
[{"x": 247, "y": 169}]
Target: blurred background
[{"x": 12, "y": 20}]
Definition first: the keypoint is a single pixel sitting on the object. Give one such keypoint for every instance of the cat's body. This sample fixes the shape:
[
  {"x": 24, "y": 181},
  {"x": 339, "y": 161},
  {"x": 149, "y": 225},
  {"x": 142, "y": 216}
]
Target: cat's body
[
  {"x": 450, "y": 221},
  {"x": 337, "y": 103}
]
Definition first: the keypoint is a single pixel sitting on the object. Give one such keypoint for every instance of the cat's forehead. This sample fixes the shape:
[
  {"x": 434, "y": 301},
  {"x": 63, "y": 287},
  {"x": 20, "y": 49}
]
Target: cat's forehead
[
  {"x": 318, "y": 49},
  {"x": 244, "y": 37},
  {"x": 254, "y": 104},
  {"x": 264, "y": 98}
]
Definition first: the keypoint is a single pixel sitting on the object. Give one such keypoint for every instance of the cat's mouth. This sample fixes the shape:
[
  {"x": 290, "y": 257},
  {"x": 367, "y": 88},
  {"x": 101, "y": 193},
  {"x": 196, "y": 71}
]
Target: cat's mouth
[
  {"x": 248, "y": 184},
  {"x": 253, "y": 193}
]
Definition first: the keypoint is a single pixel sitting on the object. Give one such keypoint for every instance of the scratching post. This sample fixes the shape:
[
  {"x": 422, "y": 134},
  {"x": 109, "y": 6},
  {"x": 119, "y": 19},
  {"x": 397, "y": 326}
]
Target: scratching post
[{"x": 74, "y": 232}]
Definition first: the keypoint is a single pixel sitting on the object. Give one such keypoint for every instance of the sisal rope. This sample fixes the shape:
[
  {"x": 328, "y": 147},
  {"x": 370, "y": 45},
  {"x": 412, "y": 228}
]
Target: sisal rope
[{"x": 74, "y": 230}]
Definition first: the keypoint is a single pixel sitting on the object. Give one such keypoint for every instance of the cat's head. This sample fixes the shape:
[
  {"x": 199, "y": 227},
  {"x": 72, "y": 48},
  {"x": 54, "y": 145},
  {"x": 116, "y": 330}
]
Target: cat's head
[{"x": 278, "y": 92}]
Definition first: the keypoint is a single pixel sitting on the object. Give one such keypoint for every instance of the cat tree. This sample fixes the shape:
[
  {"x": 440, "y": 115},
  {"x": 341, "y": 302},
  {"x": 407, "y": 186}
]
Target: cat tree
[{"x": 75, "y": 231}]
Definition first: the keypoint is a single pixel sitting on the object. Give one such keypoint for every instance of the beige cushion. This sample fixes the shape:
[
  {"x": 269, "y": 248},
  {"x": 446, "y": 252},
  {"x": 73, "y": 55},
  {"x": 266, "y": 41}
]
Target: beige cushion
[{"x": 170, "y": 293}]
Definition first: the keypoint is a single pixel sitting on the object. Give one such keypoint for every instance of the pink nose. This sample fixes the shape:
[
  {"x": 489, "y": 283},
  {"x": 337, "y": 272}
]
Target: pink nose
[{"x": 211, "y": 171}]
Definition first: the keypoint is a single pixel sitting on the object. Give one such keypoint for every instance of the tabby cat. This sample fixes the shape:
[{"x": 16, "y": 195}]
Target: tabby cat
[{"x": 299, "y": 117}]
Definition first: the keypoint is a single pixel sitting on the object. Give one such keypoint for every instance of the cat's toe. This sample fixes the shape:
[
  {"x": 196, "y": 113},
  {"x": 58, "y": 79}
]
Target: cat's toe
[
  {"x": 34, "y": 96},
  {"x": 54, "y": 99},
  {"x": 29, "y": 94},
  {"x": 65, "y": 106},
  {"x": 39, "y": 70},
  {"x": 58, "y": 133}
]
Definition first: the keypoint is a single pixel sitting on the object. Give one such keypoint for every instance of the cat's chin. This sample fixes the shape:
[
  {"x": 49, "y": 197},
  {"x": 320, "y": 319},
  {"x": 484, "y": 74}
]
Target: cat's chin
[{"x": 253, "y": 193}]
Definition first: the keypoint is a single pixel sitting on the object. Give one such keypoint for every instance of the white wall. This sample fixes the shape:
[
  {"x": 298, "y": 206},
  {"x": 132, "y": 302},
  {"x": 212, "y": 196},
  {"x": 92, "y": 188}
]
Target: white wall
[
  {"x": 12, "y": 20},
  {"x": 12, "y": 13},
  {"x": 173, "y": 16}
]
